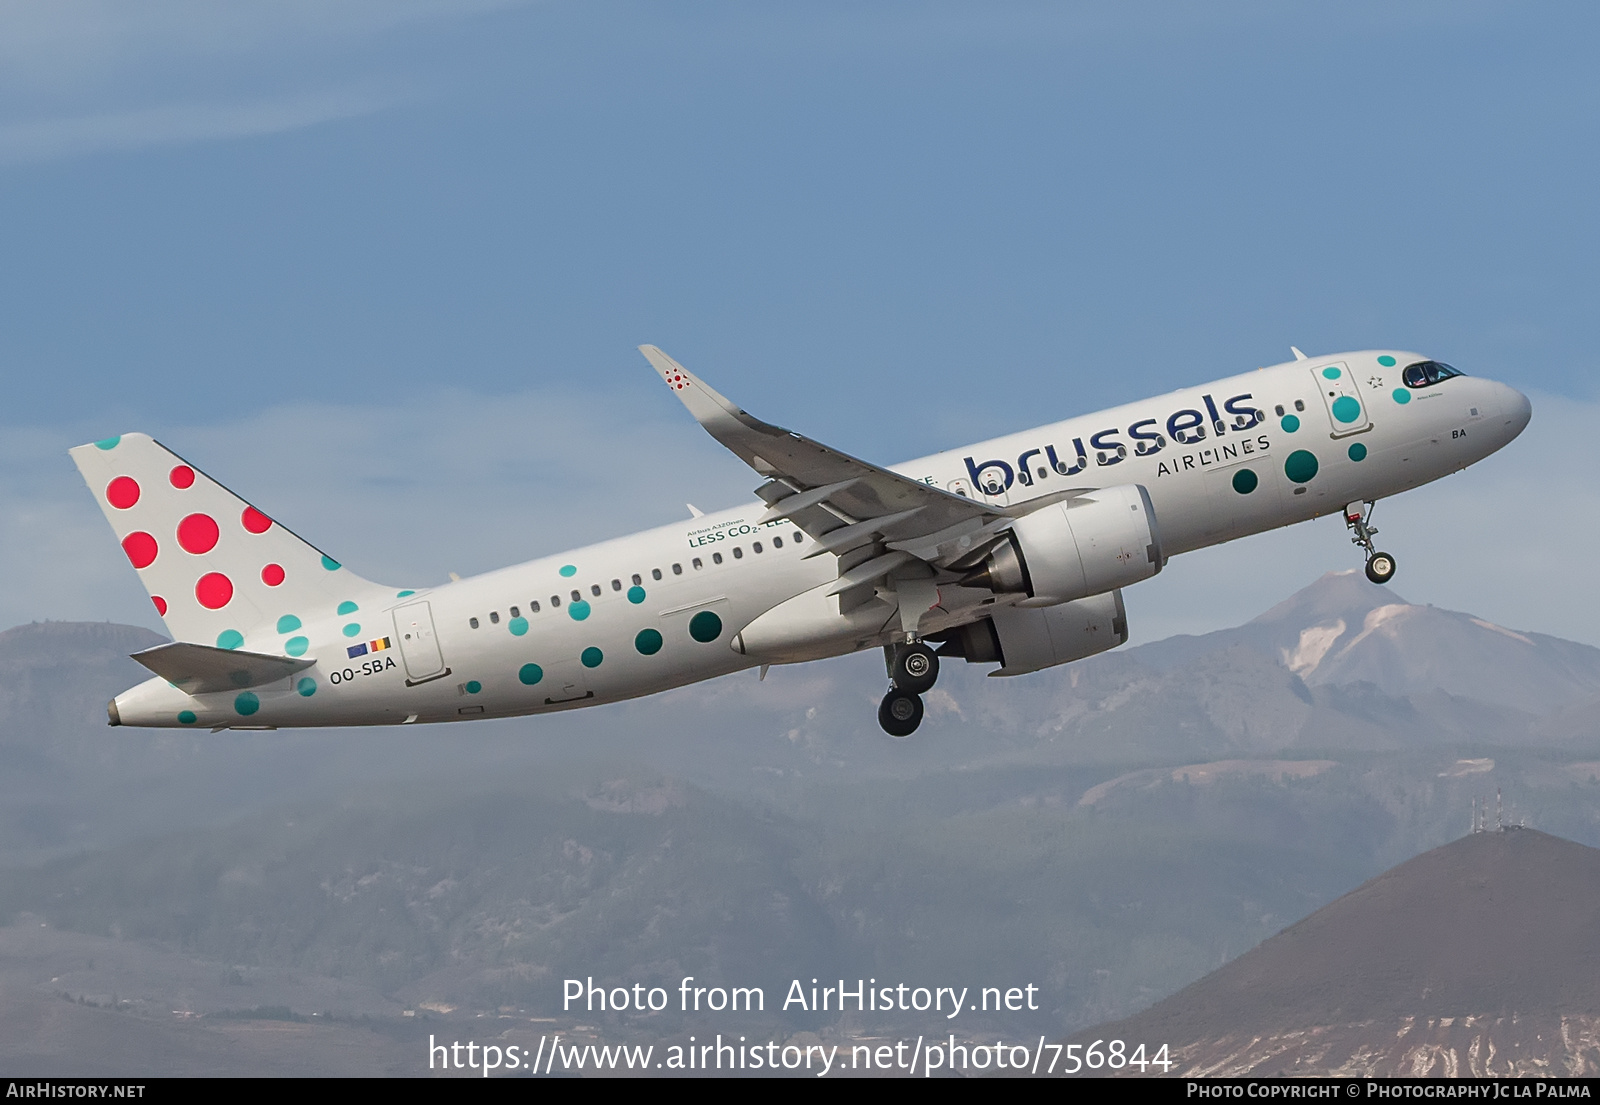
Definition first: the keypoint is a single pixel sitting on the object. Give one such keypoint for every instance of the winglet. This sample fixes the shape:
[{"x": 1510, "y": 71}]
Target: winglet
[{"x": 707, "y": 406}]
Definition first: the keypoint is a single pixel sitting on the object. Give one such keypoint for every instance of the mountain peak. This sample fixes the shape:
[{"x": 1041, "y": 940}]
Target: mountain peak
[
  {"x": 1483, "y": 931},
  {"x": 1348, "y": 595}
]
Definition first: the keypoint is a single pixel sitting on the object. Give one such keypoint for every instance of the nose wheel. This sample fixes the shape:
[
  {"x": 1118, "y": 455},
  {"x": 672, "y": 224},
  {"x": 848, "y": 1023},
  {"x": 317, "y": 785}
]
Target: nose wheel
[{"x": 1380, "y": 565}]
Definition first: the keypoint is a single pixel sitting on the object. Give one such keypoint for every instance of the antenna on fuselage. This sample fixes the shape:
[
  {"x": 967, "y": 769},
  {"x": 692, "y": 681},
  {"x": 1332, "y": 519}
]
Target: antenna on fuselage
[{"x": 1299, "y": 356}]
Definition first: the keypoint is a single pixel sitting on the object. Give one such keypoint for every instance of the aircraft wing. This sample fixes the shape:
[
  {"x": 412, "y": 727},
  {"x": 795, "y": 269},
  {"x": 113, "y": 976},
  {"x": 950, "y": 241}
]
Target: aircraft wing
[{"x": 877, "y": 521}]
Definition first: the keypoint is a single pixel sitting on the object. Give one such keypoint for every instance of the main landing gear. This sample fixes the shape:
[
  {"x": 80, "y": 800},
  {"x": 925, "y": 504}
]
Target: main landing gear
[
  {"x": 1380, "y": 565},
  {"x": 913, "y": 668}
]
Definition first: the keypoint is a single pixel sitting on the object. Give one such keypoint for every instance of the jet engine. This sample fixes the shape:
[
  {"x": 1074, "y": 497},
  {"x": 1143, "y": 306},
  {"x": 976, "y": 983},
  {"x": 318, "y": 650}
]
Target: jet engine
[
  {"x": 1029, "y": 639},
  {"x": 1081, "y": 547}
]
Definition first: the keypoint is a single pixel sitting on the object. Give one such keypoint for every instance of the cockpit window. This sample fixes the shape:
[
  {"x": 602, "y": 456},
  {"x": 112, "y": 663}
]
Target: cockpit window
[{"x": 1425, "y": 373}]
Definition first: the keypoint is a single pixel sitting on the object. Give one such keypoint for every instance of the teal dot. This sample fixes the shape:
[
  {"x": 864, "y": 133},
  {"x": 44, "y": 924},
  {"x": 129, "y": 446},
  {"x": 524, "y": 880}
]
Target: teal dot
[
  {"x": 1346, "y": 409},
  {"x": 518, "y": 626},
  {"x": 705, "y": 627},
  {"x": 246, "y": 704},
  {"x": 288, "y": 623},
  {"x": 591, "y": 657},
  {"x": 636, "y": 595},
  {"x": 648, "y": 642},
  {"x": 530, "y": 673},
  {"x": 1245, "y": 481},
  {"x": 1300, "y": 467},
  {"x": 353, "y": 629},
  {"x": 403, "y": 594},
  {"x": 330, "y": 563},
  {"x": 569, "y": 570},
  {"x": 307, "y": 687},
  {"x": 296, "y": 646},
  {"x": 230, "y": 638},
  {"x": 1358, "y": 451},
  {"x": 1386, "y": 361},
  {"x": 111, "y": 443},
  {"x": 185, "y": 717},
  {"x": 1330, "y": 373},
  {"x": 578, "y": 611},
  {"x": 473, "y": 686},
  {"x": 347, "y": 607},
  {"x": 1402, "y": 396},
  {"x": 1290, "y": 423}
]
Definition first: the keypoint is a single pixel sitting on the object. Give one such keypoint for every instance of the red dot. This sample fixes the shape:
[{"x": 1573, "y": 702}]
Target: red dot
[
  {"x": 272, "y": 575},
  {"x": 161, "y": 604},
  {"x": 182, "y": 476},
  {"x": 141, "y": 549},
  {"x": 214, "y": 590},
  {"x": 122, "y": 492},
  {"x": 198, "y": 533},
  {"x": 255, "y": 521}
]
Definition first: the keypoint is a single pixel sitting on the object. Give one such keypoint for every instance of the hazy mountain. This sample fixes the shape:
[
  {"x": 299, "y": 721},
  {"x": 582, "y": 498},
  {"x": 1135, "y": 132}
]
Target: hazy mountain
[
  {"x": 1110, "y": 831},
  {"x": 1477, "y": 958}
]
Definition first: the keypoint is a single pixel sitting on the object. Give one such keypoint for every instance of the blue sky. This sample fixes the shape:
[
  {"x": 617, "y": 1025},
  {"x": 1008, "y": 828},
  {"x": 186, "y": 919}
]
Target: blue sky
[{"x": 381, "y": 266}]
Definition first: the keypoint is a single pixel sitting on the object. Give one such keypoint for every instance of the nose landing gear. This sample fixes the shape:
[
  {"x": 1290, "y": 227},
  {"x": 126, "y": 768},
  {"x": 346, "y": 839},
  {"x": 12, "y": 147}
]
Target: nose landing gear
[
  {"x": 1380, "y": 565},
  {"x": 913, "y": 668}
]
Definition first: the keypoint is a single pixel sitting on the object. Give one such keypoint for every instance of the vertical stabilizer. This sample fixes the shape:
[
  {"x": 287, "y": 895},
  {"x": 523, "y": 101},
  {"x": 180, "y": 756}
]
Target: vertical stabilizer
[{"x": 219, "y": 571}]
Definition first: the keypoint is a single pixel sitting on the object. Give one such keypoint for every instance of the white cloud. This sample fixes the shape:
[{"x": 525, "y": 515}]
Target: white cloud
[
  {"x": 84, "y": 76},
  {"x": 174, "y": 124},
  {"x": 407, "y": 492},
  {"x": 403, "y": 493}
]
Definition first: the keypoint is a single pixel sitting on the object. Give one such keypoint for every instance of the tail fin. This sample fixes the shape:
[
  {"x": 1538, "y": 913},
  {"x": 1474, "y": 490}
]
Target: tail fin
[{"x": 218, "y": 570}]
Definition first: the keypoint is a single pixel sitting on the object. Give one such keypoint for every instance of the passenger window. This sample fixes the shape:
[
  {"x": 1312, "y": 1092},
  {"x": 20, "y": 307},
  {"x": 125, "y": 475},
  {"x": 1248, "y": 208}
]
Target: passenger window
[
  {"x": 594, "y": 589},
  {"x": 616, "y": 584},
  {"x": 738, "y": 553},
  {"x": 1279, "y": 410},
  {"x": 796, "y": 537},
  {"x": 756, "y": 547},
  {"x": 716, "y": 558},
  {"x": 697, "y": 564},
  {"x": 1299, "y": 404},
  {"x": 533, "y": 607},
  {"x": 777, "y": 542},
  {"x": 638, "y": 579},
  {"x": 555, "y": 600},
  {"x": 577, "y": 596},
  {"x": 474, "y": 623},
  {"x": 515, "y": 613},
  {"x": 494, "y": 617},
  {"x": 677, "y": 570}
]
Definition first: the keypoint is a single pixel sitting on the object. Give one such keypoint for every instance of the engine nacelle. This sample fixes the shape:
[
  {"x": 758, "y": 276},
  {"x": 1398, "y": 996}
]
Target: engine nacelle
[
  {"x": 1024, "y": 640},
  {"x": 1071, "y": 550}
]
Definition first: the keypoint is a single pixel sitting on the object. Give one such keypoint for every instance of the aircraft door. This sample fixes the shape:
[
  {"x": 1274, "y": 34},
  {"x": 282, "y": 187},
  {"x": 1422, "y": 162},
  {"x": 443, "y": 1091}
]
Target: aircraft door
[
  {"x": 419, "y": 645},
  {"x": 1342, "y": 397}
]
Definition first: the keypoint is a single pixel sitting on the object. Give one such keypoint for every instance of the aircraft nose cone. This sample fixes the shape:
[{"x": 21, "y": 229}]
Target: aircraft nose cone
[{"x": 1517, "y": 412}]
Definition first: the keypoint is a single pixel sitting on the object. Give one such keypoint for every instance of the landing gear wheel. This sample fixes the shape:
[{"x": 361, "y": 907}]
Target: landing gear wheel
[
  {"x": 1380, "y": 567},
  {"x": 900, "y": 713},
  {"x": 915, "y": 668}
]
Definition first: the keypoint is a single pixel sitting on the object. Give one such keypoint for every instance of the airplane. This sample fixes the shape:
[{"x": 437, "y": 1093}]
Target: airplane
[{"x": 1011, "y": 552}]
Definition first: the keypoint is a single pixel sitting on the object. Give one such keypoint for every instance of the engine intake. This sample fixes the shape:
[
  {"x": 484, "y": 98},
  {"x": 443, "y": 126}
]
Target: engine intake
[{"x": 1071, "y": 550}]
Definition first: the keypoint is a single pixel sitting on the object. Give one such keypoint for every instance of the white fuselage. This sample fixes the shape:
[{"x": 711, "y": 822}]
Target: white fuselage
[{"x": 515, "y": 641}]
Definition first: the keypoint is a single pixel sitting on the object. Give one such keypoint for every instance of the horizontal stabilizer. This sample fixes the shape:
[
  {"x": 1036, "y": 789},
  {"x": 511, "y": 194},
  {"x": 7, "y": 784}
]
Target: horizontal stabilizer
[{"x": 201, "y": 669}]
